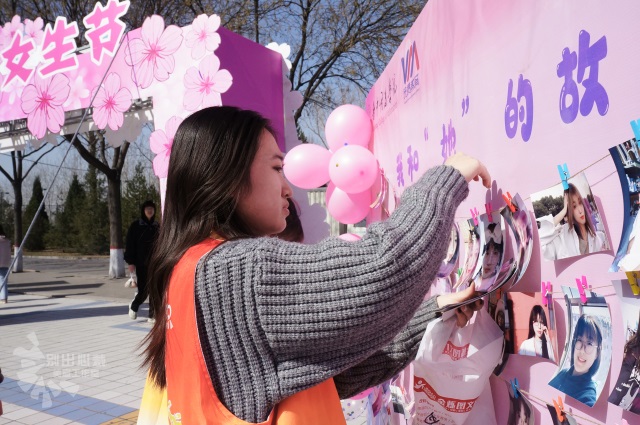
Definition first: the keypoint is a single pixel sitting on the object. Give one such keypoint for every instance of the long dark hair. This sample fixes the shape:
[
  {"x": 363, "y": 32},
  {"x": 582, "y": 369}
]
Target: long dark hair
[
  {"x": 588, "y": 325},
  {"x": 538, "y": 311},
  {"x": 573, "y": 191},
  {"x": 209, "y": 170}
]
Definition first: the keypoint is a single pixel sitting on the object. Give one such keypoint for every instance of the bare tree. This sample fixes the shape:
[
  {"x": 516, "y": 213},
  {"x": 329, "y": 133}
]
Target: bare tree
[{"x": 16, "y": 176}]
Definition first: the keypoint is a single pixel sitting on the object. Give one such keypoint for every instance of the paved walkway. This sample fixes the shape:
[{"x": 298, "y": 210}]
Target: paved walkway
[{"x": 70, "y": 360}]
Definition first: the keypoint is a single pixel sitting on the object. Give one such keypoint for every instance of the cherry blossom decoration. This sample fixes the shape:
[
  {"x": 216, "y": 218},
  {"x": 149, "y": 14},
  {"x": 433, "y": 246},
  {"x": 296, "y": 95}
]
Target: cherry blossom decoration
[
  {"x": 42, "y": 102},
  {"x": 110, "y": 103},
  {"x": 10, "y": 29},
  {"x": 33, "y": 30},
  {"x": 284, "y": 49},
  {"x": 203, "y": 37},
  {"x": 204, "y": 85},
  {"x": 151, "y": 55},
  {"x": 161, "y": 142}
]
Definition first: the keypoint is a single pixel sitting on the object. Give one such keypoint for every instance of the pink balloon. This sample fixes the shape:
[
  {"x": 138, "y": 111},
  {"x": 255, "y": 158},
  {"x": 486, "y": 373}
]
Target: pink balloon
[
  {"x": 307, "y": 166},
  {"x": 351, "y": 238},
  {"x": 353, "y": 169},
  {"x": 348, "y": 208},
  {"x": 348, "y": 125}
]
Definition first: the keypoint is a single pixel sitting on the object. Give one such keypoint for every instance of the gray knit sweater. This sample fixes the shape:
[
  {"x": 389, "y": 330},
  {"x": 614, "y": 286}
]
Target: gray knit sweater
[{"x": 276, "y": 317}]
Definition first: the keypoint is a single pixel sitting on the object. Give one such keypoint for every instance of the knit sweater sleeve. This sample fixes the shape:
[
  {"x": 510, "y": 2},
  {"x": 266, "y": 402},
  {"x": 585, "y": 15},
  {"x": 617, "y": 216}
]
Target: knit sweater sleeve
[
  {"x": 391, "y": 359},
  {"x": 276, "y": 318}
]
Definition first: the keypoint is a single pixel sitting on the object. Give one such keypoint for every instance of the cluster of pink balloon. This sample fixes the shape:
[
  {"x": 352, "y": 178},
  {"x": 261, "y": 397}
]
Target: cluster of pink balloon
[{"x": 348, "y": 166}]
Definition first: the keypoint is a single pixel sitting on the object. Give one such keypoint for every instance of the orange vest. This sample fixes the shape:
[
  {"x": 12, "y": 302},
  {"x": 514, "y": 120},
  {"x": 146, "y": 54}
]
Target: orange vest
[{"x": 191, "y": 398}]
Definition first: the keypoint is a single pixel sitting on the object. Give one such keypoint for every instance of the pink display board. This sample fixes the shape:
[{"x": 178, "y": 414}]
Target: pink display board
[
  {"x": 180, "y": 69},
  {"x": 523, "y": 86}
]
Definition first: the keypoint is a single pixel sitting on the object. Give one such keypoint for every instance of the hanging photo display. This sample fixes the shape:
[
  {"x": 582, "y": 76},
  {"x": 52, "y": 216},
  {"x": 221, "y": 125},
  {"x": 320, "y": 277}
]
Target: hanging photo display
[
  {"x": 585, "y": 362},
  {"x": 500, "y": 309},
  {"x": 492, "y": 252},
  {"x": 569, "y": 223},
  {"x": 522, "y": 230},
  {"x": 626, "y": 391},
  {"x": 533, "y": 332},
  {"x": 520, "y": 410},
  {"x": 567, "y": 419},
  {"x": 470, "y": 234},
  {"x": 627, "y": 160},
  {"x": 450, "y": 262}
]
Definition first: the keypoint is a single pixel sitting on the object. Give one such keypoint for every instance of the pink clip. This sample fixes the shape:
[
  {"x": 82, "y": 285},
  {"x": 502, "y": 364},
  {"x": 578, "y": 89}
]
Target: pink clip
[
  {"x": 474, "y": 215},
  {"x": 545, "y": 288},
  {"x": 509, "y": 200},
  {"x": 582, "y": 286},
  {"x": 489, "y": 211}
]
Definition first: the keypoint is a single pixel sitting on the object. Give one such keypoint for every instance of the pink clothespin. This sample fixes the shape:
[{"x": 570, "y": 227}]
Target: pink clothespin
[
  {"x": 509, "y": 200},
  {"x": 563, "y": 170},
  {"x": 582, "y": 286},
  {"x": 545, "y": 288},
  {"x": 474, "y": 215},
  {"x": 489, "y": 210}
]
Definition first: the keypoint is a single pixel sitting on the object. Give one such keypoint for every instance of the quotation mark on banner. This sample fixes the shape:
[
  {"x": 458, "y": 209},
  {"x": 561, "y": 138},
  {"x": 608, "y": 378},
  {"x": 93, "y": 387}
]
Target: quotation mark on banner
[
  {"x": 465, "y": 106},
  {"x": 31, "y": 378}
]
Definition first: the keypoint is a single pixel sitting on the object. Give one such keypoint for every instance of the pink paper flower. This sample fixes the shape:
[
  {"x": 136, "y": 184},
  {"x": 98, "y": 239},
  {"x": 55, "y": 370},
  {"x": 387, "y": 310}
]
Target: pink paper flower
[
  {"x": 42, "y": 102},
  {"x": 151, "y": 56},
  {"x": 161, "y": 143},
  {"x": 33, "y": 29},
  {"x": 77, "y": 93},
  {"x": 9, "y": 29},
  {"x": 111, "y": 102},
  {"x": 203, "y": 37},
  {"x": 204, "y": 85}
]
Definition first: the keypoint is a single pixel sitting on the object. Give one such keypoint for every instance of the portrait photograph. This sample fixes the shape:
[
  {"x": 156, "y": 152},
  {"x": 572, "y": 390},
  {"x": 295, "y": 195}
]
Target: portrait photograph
[
  {"x": 626, "y": 391},
  {"x": 492, "y": 235},
  {"x": 568, "y": 419},
  {"x": 586, "y": 358},
  {"x": 520, "y": 410},
  {"x": 625, "y": 157},
  {"x": 522, "y": 231},
  {"x": 534, "y": 334},
  {"x": 569, "y": 223},
  {"x": 470, "y": 238}
]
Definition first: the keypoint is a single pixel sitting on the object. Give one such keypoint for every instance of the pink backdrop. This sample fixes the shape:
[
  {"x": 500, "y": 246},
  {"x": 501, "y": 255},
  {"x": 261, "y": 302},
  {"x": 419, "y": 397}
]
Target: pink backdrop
[{"x": 446, "y": 89}]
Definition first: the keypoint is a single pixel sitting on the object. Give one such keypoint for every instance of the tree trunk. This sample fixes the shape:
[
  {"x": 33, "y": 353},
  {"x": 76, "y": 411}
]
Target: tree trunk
[
  {"x": 114, "y": 198},
  {"x": 17, "y": 225}
]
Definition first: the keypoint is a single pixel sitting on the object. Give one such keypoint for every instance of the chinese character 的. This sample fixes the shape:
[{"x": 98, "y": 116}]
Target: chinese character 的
[{"x": 514, "y": 112}]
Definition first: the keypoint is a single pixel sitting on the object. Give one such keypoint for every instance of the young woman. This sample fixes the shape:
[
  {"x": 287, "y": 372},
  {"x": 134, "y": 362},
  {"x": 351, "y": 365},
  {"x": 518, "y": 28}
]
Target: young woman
[
  {"x": 577, "y": 236},
  {"x": 539, "y": 343},
  {"x": 259, "y": 329},
  {"x": 586, "y": 348},
  {"x": 491, "y": 257}
]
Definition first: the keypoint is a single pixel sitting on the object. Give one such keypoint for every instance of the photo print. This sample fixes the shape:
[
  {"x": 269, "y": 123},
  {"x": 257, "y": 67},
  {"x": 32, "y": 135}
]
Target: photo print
[
  {"x": 626, "y": 391},
  {"x": 520, "y": 409},
  {"x": 569, "y": 223},
  {"x": 450, "y": 263},
  {"x": 522, "y": 230},
  {"x": 568, "y": 419},
  {"x": 625, "y": 157},
  {"x": 501, "y": 309},
  {"x": 492, "y": 241},
  {"x": 533, "y": 329},
  {"x": 470, "y": 234},
  {"x": 585, "y": 362}
]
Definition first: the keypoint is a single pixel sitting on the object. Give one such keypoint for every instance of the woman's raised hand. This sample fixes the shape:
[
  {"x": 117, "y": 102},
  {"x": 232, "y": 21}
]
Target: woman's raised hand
[
  {"x": 470, "y": 168},
  {"x": 464, "y": 313},
  {"x": 558, "y": 218}
]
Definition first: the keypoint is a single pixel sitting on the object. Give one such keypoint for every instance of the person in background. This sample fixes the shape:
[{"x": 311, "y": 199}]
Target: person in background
[
  {"x": 5, "y": 262},
  {"x": 586, "y": 350},
  {"x": 256, "y": 328},
  {"x": 539, "y": 343},
  {"x": 140, "y": 239}
]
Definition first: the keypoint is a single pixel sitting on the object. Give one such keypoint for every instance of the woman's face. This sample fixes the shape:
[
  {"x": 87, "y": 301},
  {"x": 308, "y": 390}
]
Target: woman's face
[
  {"x": 578, "y": 209},
  {"x": 538, "y": 327},
  {"x": 490, "y": 261},
  {"x": 585, "y": 353},
  {"x": 265, "y": 207}
]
